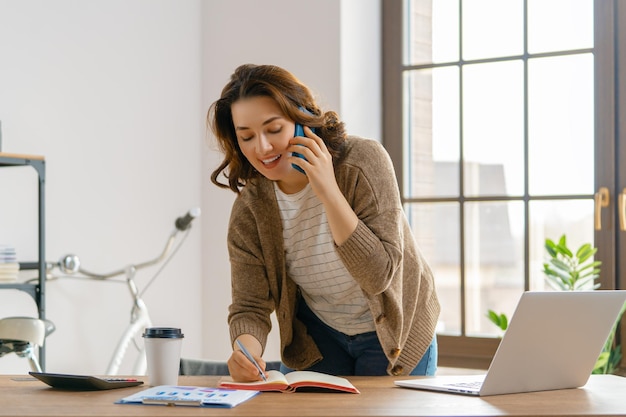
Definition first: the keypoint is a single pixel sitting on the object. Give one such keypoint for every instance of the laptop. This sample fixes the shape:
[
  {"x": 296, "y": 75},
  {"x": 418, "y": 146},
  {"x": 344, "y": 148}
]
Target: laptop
[{"x": 553, "y": 342}]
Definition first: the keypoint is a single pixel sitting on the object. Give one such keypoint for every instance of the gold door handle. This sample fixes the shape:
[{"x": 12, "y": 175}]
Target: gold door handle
[
  {"x": 601, "y": 199},
  {"x": 621, "y": 208}
]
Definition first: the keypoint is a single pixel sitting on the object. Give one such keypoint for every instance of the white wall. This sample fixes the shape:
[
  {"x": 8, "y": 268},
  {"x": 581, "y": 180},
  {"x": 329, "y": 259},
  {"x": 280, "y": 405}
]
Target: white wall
[
  {"x": 361, "y": 65},
  {"x": 110, "y": 93},
  {"x": 114, "y": 93}
]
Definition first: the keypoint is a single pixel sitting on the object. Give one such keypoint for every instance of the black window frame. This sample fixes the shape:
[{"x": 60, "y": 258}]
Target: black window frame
[{"x": 610, "y": 131}]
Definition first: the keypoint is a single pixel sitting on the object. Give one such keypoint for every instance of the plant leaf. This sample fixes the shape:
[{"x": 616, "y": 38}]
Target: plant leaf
[
  {"x": 551, "y": 247},
  {"x": 499, "y": 320},
  {"x": 585, "y": 252},
  {"x": 601, "y": 363}
]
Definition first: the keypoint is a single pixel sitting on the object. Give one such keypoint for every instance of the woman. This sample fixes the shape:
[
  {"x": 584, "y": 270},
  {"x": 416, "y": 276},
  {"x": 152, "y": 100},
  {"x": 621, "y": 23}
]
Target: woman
[{"x": 326, "y": 246}]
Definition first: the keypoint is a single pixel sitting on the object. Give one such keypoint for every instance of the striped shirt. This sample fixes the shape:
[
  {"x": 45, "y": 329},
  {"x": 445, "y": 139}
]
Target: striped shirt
[{"x": 312, "y": 262}]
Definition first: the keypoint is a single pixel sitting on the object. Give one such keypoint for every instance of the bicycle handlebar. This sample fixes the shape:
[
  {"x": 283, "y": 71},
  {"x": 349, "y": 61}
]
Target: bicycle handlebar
[
  {"x": 183, "y": 223},
  {"x": 70, "y": 264}
]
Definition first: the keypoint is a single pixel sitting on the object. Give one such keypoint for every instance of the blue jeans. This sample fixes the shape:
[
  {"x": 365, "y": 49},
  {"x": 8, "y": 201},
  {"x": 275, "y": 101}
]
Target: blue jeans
[{"x": 360, "y": 354}]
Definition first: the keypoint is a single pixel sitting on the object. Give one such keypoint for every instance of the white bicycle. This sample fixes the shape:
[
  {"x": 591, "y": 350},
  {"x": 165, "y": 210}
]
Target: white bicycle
[{"x": 70, "y": 267}]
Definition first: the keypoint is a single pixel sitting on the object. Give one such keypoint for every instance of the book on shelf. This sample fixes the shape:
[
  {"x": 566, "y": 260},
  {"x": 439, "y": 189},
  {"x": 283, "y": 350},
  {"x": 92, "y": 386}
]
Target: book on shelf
[
  {"x": 9, "y": 267},
  {"x": 294, "y": 381},
  {"x": 189, "y": 396}
]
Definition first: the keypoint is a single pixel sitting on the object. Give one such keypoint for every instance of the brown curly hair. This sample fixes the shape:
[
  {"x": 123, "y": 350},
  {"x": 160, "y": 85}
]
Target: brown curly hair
[{"x": 289, "y": 93}]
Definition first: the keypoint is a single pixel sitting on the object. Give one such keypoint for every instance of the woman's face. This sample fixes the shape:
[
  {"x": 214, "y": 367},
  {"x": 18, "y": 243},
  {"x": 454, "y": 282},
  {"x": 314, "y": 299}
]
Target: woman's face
[{"x": 263, "y": 133}]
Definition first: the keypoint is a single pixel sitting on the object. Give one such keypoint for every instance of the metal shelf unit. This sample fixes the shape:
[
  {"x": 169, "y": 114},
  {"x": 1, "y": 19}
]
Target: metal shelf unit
[{"x": 35, "y": 290}]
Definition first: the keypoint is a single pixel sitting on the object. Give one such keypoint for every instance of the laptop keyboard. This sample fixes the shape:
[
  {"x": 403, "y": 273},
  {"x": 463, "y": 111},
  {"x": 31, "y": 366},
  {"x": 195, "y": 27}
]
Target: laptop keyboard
[{"x": 471, "y": 385}]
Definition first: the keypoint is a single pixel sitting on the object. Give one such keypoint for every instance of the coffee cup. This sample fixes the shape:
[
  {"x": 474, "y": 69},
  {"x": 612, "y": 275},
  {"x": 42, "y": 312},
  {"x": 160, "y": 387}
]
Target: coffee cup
[{"x": 163, "y": 346}]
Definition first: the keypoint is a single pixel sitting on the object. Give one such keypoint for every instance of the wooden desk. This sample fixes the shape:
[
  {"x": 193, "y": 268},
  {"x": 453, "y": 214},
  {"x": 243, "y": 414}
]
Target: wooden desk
[{"x": 603, "y": 395}]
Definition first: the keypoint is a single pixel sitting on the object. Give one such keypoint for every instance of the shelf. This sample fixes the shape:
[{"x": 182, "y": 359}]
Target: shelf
[
  {"x": 31, "y": 289},
  {"x": 35, "y": 290},
  {"x": 36, "y": 161},
  {"x": 17, "y": 156}
]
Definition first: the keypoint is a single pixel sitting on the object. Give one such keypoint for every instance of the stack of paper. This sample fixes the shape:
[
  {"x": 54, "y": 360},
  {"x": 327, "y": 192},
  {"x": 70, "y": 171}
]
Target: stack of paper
[{"x": 9, "y": 267}]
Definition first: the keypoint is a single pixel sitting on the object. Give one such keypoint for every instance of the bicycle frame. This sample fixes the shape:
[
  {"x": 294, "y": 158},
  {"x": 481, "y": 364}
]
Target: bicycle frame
[{"x": 140, "y": 317}]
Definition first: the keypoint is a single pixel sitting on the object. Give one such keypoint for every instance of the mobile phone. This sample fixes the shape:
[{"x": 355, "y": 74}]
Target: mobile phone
[{"x": 299, "y": 131}]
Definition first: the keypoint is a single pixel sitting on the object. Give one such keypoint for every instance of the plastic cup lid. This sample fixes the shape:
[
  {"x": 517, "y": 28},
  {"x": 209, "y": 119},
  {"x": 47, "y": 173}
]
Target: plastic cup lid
[{"x": 163, "y": 333}]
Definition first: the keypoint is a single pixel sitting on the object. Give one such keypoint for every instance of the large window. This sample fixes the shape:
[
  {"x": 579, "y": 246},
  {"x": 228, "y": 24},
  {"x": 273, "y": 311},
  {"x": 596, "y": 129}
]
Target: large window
[{"x": 491, "y": 117}]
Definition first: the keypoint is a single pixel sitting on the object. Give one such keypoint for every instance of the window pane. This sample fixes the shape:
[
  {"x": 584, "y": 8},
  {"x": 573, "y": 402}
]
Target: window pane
[
  {"x": 437, "y": 231},
  {"x": 551, "y": 220},
  {"x": 433, "y": 31},
  {"x": 490, "y": 127},
  {"x": 561, "y": 126},
  {"x": 492, "y": 28},
  {"x": 494, "y": 266},
  {"x": 432, "y": 145},
  {"x": 555, "y": 25},
  {"x": 493, "y": 128}
]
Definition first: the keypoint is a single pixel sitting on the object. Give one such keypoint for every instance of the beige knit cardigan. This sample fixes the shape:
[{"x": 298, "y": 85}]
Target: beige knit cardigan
[{"x": 381, "y": 255}]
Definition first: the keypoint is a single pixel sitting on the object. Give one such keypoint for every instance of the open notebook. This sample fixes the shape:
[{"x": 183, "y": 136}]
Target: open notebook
[{"x": 553, "y": 342}]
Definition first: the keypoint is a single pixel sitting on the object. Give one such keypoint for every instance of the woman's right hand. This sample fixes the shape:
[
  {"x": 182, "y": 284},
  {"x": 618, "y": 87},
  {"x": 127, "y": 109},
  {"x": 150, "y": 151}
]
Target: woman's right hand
[{"x": 240, "y": 367}]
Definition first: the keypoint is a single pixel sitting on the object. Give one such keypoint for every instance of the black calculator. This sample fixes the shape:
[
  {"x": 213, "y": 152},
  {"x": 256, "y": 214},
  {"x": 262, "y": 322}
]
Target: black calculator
[{"x": 84, "y": 382}]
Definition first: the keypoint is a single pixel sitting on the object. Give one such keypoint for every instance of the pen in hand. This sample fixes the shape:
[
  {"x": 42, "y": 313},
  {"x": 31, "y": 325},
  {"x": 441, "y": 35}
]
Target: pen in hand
[{"x": 250, "y": 358}]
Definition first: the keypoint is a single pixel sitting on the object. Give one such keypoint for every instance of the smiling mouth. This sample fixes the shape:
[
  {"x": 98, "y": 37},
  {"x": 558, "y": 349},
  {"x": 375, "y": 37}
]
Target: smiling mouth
[{"x": 269, "y": 161}]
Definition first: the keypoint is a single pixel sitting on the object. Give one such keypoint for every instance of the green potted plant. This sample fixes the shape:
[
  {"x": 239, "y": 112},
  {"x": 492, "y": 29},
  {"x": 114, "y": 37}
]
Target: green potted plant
[{"x": 569, "y": 271}]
